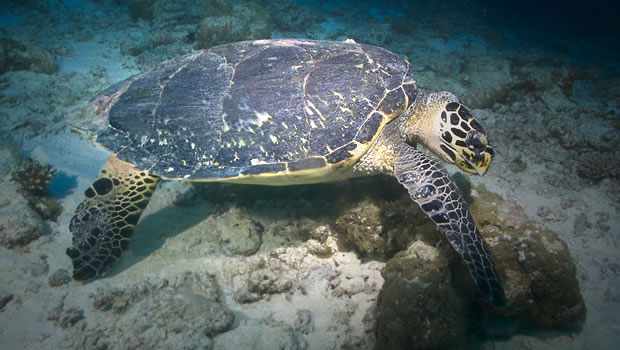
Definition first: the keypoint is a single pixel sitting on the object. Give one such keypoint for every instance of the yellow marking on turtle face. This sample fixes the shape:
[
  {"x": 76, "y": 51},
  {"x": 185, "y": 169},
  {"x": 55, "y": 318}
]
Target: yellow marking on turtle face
[
  {"x": 285, "y": 126},
  {"x": 169, "y": 169},
  {"x": 274, "y": 139},
  {"x": 339, "y": 95},
  {"x": 241, "y": 142},
  {"x": 312, "y": 124},
  {"x": 163, "y": 142},
  {"x": 361, "y": 65}
]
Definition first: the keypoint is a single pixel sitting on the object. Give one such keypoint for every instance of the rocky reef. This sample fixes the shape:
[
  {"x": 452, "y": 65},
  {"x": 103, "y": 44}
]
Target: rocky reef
[
  {"x": 19, "y": 223},
  {"x": 34, "y": 180},
  {"x": 600, "y": 165},
  {"x": 226, "y": 22},
  {"x": 429, "y": 300},
  {"x": 20, "y": 56},
  {"x": 25, "y": 203},
  {"x": 161, "y": 314}
]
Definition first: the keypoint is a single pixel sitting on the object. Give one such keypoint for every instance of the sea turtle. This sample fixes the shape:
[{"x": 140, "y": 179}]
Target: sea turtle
[{"x": 278, "y": 112}]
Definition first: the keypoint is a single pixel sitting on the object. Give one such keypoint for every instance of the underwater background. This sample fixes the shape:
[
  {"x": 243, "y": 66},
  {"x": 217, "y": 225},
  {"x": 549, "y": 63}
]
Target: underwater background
[{"x": 351, "y": 264}]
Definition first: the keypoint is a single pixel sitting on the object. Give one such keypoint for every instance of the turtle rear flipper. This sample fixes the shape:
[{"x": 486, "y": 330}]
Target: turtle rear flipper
[
  {"x": 430, "y": 186},
  {"x": 105, "y": 221}
]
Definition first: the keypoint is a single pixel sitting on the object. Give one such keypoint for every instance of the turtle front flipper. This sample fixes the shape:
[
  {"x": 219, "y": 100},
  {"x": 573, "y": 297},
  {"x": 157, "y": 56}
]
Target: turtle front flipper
[
  {"x": 104, "y": 222},
  {"x": 430, "y": 186}
]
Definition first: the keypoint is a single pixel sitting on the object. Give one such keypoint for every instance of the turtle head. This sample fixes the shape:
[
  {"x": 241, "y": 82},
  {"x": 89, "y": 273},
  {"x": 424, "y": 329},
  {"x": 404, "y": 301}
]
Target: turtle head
[
  {"x": 88, "y": 117},
  {"x": 441, "y": 122},
  {"x": 93, "y": 116}
]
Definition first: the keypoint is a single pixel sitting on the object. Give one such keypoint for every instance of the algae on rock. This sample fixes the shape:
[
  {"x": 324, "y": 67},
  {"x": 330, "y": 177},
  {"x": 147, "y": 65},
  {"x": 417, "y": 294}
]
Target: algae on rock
[
  {"x": 428, "y": 295},
  {"x": 17, "y": 56},
  {"x": 539, "y": 275},
  {"x": 229, "y": 22},
  {"x": 418, "y": 307}
]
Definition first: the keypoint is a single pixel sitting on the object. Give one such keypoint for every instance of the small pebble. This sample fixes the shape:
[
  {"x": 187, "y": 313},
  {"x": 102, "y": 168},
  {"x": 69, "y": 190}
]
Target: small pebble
[
  {"x": 59, "y": 277},
  {"x": 303, "y": 323},
  {"x": 543, "y": 211},
  {"x": 581, "y": 224},
  {"x": 5, "y": 298},
  {"x": 39, "y": 268},
  {"x": 567, "y": 203}
]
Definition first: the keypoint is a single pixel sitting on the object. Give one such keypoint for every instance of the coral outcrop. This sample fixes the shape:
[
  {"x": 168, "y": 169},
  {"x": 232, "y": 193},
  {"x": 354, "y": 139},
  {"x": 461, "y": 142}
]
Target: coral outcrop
[
  {"x": 427, "y": 288},
  {"x": 160, "y": 314},
  {"x": 226, "y": 22},
  {"x": 17, "y": 56},
  {"x": 34, "y": 180},
  {"x": 382, "y": 228},
  {"x": 141, "y": 9},
  {"x": 288, "y": 16},
  {"x": 33, "y": 177},
  {"x": 538, "y": 272},
  {"x": 418, "y": 307},
  {"x": 597, "y": 166},
  {"x": 19, "y": 223}
]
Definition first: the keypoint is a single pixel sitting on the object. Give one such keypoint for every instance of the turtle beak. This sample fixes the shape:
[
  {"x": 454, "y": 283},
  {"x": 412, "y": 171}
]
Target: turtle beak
[{"x": 474, "y": 162}]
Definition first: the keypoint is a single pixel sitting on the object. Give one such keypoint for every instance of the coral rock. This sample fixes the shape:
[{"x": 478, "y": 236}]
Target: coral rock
[
  {"x": 418, "y": 307},
  {"x": 18, "y": 56},
  {"x": 19, "y": 223},
  {"x": 287, "y": 16},
  {"x": 141, "y": 9},
  {"x": 161, "y": 314},
  {"x": 599, "y": 165},
  {"x": 233, "y": 22},
  {"x": 237, "y": 234},
  {"x": 33, "y": 177},
  {"x": 538, "y": 273},
  {"x": 421, "y": 302},
  {"x": 381, "y": 228}
]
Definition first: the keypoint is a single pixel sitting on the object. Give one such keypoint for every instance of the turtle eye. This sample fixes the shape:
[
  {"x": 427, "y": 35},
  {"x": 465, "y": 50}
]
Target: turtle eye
[{"x": 476, "y": 141}]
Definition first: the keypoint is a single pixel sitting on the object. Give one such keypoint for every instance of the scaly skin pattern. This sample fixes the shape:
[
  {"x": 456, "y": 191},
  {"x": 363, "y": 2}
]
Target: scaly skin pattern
[
  {"x": 430, "y": 186},
  {"x": 105, "y": 221}
]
